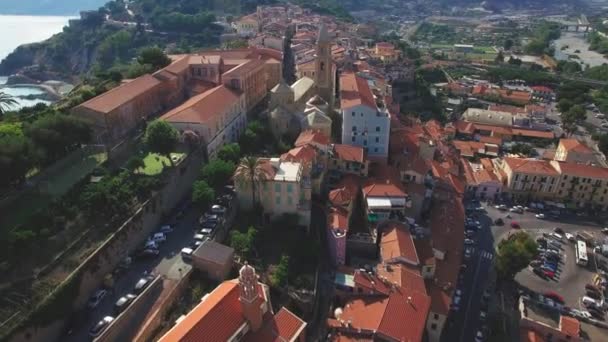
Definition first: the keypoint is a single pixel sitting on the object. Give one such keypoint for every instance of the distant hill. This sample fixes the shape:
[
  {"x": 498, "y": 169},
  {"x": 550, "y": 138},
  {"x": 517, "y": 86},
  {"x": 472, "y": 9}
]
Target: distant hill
[{"x": 48, "y": 7}]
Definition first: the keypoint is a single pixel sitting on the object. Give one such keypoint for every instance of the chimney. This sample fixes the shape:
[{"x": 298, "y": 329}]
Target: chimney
[{"x": 249, "y": 295}]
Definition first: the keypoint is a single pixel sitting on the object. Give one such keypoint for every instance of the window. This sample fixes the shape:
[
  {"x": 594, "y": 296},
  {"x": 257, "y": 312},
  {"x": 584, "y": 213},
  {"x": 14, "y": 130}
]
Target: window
[
  {"x": 377, "y": 128},
  {"x": 277, "y": 187},
  {"x": 289, "y": 201},
  {"x": 517, "y": 177},
  {"x": 289, "y": 187},
  {"x": 278, "y": 200},
  {"x": 485, "y": 188},
  {"x": 353, "y": 113},
  {"x": 377, "y": 139},
  {"x": 375, "y": 149},
  {"x": 364, "y": 142},
  {"x": 354, "y": 128},
  {"x": 436, "y": 316},
  {"x": 353, "y": 139},
  {"x": 433, "y": 326}
]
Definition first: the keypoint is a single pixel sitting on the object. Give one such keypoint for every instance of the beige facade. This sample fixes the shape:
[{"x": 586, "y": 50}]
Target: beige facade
[
  {"x": 534, "y": 179},
  {"x": 573, "y": 151}
]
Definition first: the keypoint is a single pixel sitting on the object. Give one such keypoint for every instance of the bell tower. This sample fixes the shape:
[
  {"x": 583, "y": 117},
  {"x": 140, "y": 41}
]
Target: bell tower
[
  {"x": 249, "y": 295},
  {"x": 324, "y": 78}
]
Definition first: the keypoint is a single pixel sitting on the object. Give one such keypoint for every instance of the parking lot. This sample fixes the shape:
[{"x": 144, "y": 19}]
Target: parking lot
[{"x": 185, "y": 223}]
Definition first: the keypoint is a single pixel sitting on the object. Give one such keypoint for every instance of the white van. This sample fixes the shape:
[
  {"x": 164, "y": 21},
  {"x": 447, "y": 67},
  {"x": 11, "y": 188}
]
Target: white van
[{"x": 587, "y": 301}]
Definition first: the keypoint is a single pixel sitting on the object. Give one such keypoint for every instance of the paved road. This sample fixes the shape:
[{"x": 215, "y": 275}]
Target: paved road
[{"x": 169, "y": 263}]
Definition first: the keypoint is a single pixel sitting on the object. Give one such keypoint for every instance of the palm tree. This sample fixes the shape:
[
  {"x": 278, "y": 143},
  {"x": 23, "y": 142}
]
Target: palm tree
[
  {"x": 6, "y": 102},
  {"x": 250, "y": 173}
]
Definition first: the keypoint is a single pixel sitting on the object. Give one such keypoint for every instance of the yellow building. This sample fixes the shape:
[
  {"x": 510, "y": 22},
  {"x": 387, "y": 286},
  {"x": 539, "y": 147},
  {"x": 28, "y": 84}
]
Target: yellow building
[
  {"x": 573, "y": 151},
  {"x": 582, "y": 185},
  {"x": 248, "y": 25},
  {"x": 528, "y": 178}
]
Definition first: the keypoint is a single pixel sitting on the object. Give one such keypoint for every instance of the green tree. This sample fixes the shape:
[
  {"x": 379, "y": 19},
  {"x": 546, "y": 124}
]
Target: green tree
[
  {"x": 153, "y": 56},
  {"x": 508, "y": 44},
  {"x": 235, "y": 44},
  {"x": 525, "y": 149},
  {"x": 135, "y": 163},
  {"x": 202, "y": 194},
  {"x": 500, "y": 58},
  {"x": 161, "y": 138},
  {"x": 243, "y": 242},
  {"x": 230, "y": 152},
  {"x": 17, "y": 157},
  {"x": 281, "y": 272},
  {"x": 514, "y": 254},
  {"x": 6, "y": 102},
  {"x": 57, "y": 134},
  {"x": 564, "y": 105},
  {"x": 218, "y": 172},
  {"x": 249, "y": 174}
]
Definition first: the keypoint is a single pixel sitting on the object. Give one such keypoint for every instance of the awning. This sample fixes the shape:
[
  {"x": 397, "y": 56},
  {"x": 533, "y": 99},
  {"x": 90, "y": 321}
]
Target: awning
[{"x": 379, "y": 203}]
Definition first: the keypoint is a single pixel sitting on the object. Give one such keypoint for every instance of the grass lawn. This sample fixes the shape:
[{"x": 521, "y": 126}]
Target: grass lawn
[{"x": 155, "y": 163}]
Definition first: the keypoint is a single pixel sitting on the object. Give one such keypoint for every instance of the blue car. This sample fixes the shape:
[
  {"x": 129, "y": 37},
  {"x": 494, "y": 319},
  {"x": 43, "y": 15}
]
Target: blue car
[{"x": 550, "y": 267}]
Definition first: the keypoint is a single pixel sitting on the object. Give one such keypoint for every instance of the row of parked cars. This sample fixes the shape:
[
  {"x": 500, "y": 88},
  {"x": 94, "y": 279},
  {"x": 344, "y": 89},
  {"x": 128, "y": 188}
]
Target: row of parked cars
[
  {"x": 121, "y": 304},
  {"x": 547, "y": 262},
  {"x": 211, "y": 221}
]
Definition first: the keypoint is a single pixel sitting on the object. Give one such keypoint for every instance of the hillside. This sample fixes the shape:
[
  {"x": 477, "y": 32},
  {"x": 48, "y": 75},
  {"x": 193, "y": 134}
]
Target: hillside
[{"x": 49, "y": 7}]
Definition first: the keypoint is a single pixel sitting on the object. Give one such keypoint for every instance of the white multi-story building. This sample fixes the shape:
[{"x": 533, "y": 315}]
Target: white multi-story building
[{"x": 365, "y": 119}]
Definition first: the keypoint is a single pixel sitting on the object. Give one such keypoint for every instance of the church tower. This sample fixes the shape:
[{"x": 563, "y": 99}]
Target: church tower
[
  {"x": 249, "y": 297},
  {"x": 324, "y": 77}
]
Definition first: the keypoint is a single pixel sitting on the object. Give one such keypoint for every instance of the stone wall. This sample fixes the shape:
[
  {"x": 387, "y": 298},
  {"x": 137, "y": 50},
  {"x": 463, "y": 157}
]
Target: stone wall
[
  {"x": 149, "y": 328},
  {"x": 91, "y": 273},
  {"x": 123, "y": 325}
]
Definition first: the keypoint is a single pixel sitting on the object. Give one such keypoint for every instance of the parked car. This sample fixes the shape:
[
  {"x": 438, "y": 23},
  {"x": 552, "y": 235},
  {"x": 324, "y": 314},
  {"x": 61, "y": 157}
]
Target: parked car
[
  {"x": 158, "y": 238},
  {"x": 469, "y": 233},
  {"x": 123, "y": 302},
  {"x": 580, "y": 314},
  {"x": 187, "y": 253},
  {"x": 555, "y": 296},
  {"x": 150, "y": 245},
  {"x": 540, "y": 216},
  {"x": 558, "y": 230},
  {"x": 200, "y": 237},
  {"x": 605, "y": 230},
  {"x": 517, "y": 210},
  {"x": 102, "y": 325},
  {"x": 548, "y": 274},
  {"x": 588, "y": 302},
  {"x": 148, "y": 252},
  {"x": 142, "y": 283},
  {"x": 570, "y": 237},
  {"x": 469, "y": 242},
  {"x": 592, "y": 287},
  {"x": 594, "y": 295},
  {"x": 514, "y": 224},
  {"x": 166, "y": 229},
  {"x": 467, "y": 253},
  {"x": 96, "y": 298},
  {"x": 499, "y": 222},
  {"x": 479, "y": 337},
  {"x": 218, "y": 209}
]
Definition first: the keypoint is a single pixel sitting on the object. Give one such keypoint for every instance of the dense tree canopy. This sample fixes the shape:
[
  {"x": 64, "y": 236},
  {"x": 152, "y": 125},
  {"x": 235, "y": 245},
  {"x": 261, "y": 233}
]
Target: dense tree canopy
[
  {"x": 217, "y": 172},
  {"x": 161, "y": 138},
  {"x": 230, "y": 152},
  {"x": 153, "y": 56},
  {"x": 202, "y": 194},
  {"x": 514, "y": 254},
  {"x": 57, "y": 134}
]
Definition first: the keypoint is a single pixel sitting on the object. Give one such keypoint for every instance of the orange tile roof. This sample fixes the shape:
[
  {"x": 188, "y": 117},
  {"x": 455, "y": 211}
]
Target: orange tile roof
[
  {"x": 383, "y": 190},
  {"x": 533, "y": 166},
  {"x": 515, "y": 95},
  {"x": 214, "y": 319},
  {"x": 349, "y": 153},
  {"x": 337, "y": 219},
  {"x": 582, "y": 170},
  {"x": 529, "y": 335},
  {"x": 123, "y": 94},
  {"x": 355, "y": 91},
  {"x": 570, "y": 326},
  {"x": 305, "y": 154},
  {"x": 244, "y": 68},
  {"x": 396, "y": 242},
  {"x": 490, "y": 140},
  {"x": 179, "y": 65},
  {"x": 575, "y": 145},
  {"x": 405, "y": 276},
  {"x": 311, "y": 136},
  {"x": 283, "y": 326},
  {"x": 385, "y": 316},
  {"x": 205, "y": 107},
  {"x": 533, "y": 133},
  {"x": 506, "y": 108},
  {"x": 345, "y": 191}
]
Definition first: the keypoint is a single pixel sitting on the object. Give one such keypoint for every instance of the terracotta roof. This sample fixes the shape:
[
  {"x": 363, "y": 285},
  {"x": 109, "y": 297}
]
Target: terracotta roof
[
  {"x": 383, "y": 190},
  {"x": 386, "y": 315},
  {"x": 349, "y": 153},
  {"x": 575, "y": 145},
  {"x": 542, "y": 89},
  {"x": 529, "y": 335},
  {"x": 370, "y": 283},
  {"x": 533, "y": 166},
  {"x": 469, "y": 148},
  {"x": 533, "y": 133},
  {"x": 355, "y": 91},
  {"x": 570, "y": 326},
  {"x": 305, "y": 154},
  {"x": 310, "y": 136},
  {"x": 122, "y": 94},
  {"x": 215, "y": 319},
  {"x": 345, "y": 191},
  {"x": 490, "y": 140},
  {"x": 284, "y": 326},
  {"x": 244, "y": 68},
  {"x": 515, "y": 95},
  {"x": 396, "y": 242},
  {"x": 581, "y": 170},
  {"x": 179, "y": 65},
  {"x": 506, "y": 108},
  {"x": 204, "y": 107},
  {"x": 337, "y": 219},
  {"x": 405, "y": 276},
  {"x": 465, "y": 127}
]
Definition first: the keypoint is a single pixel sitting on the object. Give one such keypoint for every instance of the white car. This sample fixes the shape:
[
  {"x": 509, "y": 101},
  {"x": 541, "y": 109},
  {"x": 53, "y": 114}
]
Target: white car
[
  {"x": 479, "y": 337},
  {"x": 199, "y": 237},
  {"x": 456, "y": 300},
  {"x": 540, "y": 216},
  {"x": 187, "y": 253},
  {"x": 98, "y": 328},
  {"x": 166, "y": 229},
  {"x": 556, "y": 236},
  {"x": 96, "y": 298},
  {"x": 158, "y": 238},
  {"x": 151, "y": 245},
  {"x": 570, "y": 237},
  {"x": 469, "y": 242}
]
